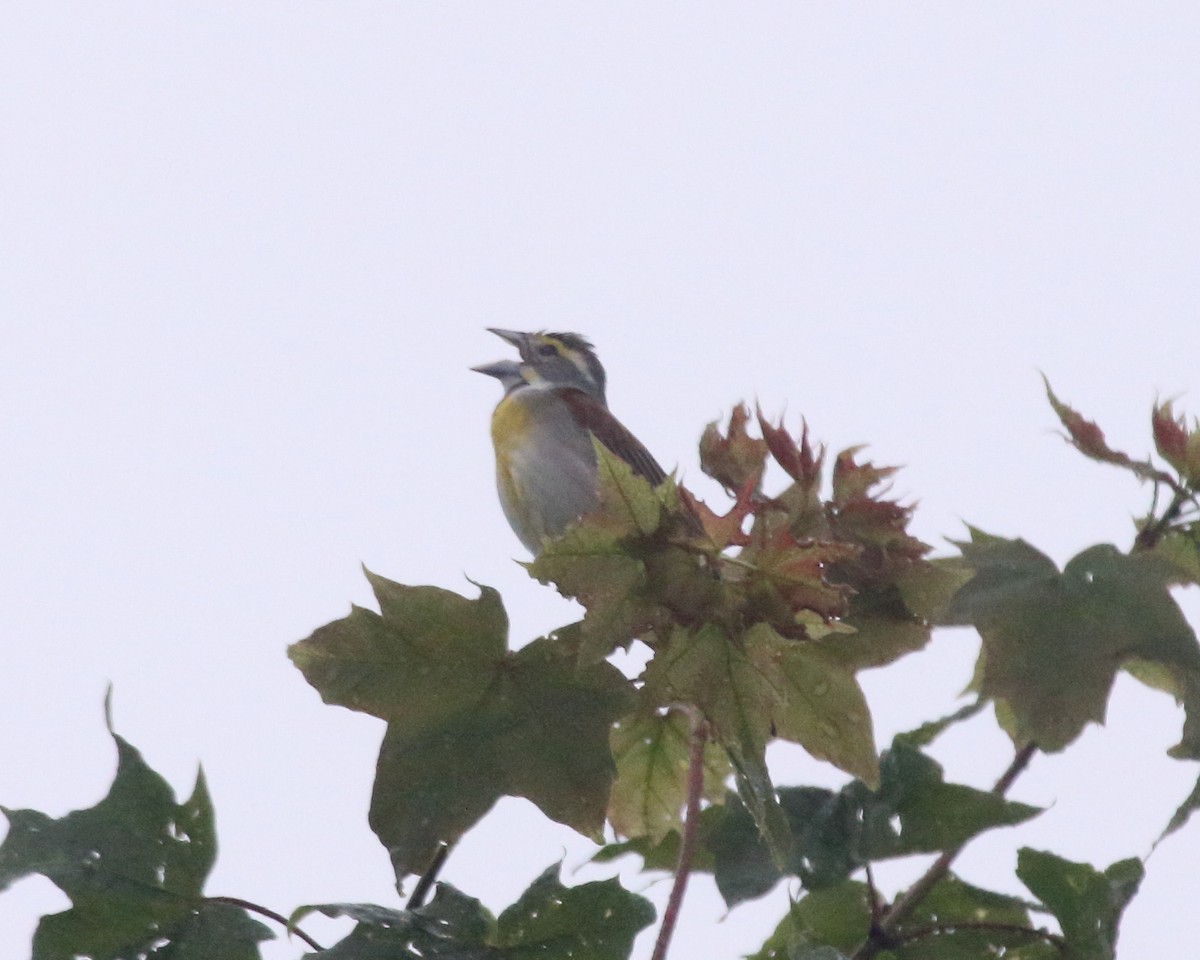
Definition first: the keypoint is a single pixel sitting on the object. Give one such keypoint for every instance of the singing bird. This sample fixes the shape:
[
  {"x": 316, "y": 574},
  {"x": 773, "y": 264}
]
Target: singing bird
[{"x": 542, "y": 429}]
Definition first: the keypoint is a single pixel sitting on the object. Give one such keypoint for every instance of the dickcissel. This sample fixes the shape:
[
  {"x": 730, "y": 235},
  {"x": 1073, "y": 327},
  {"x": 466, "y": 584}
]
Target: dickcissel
[{"x": 542, "y": 430}]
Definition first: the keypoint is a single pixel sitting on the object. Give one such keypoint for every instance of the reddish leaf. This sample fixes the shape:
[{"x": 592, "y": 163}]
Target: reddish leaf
[
  {"x": 853, "y": 480},
  {"x": 1086, "y": 437},
  {"x": 798, "y": 460},
  {"x": 794, "y": 572},
  {"x": 1179, "y": 446},
  {"x": 1170, "y": 436},
  {"x": 735, "y": 458},
  {"x": 724, "y": 531}
]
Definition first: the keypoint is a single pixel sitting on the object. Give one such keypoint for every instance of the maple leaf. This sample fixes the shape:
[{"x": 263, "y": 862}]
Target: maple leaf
[
  {"x": 822, "y": 707},
  {"x": 853, "y": 480},
  {"x": 1086, "y": 902},
  {"x": 600, "y": 560},
  {"x": 725, "y": 531},
  {"x": 878, "y": 526},
  {"x": 652, "y": 750},
  {"x": 733, "y": 458},
  {"x": 786, "y": 576},
  {"x": 1178, "y": 445},
  {"x": 797, "y": 459},
  {"x": 468, "y": 720},
  {"x": 1086, "y": 437},
  {"x": 1053, "y": 641},
  {"x": 735, "y": 684}
]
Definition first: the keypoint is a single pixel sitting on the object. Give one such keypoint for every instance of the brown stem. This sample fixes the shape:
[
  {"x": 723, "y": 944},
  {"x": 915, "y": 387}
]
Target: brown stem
[
  {"x": 884, "y": 932},
  {"x": 421, "y": 890},
  {"x": 270, "y": 914},
  {"x": 697, "y": 737},
  {"x": 1149, "y": 535}
]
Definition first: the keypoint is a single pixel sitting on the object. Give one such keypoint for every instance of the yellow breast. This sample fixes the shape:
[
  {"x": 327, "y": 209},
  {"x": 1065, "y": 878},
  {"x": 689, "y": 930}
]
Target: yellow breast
[{"x": 511, "y": 423}]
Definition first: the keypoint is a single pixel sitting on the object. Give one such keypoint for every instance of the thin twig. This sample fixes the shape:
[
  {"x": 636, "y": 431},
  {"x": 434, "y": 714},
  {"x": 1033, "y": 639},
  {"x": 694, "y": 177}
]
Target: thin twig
[
  {"x": 697, "y": 737},
  {"x": 885, "y": 931},
  {"x": 421, "y": 890},
  {"x": 270, "y": 914},
  {"x": 1148, "y": 537}
]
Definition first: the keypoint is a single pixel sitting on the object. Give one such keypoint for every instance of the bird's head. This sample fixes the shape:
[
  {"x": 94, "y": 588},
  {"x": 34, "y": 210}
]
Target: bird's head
[{"x": 549, "y": 360}]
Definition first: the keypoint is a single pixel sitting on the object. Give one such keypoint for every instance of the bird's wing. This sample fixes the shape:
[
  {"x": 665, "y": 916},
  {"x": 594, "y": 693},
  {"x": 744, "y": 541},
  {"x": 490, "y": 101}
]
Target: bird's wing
[{"x": 591, "y": 414}]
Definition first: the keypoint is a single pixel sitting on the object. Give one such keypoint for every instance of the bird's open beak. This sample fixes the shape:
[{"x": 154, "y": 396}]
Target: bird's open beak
[
  {"x": 515, "y": 337},
  {"x": 500, "y": 369}
]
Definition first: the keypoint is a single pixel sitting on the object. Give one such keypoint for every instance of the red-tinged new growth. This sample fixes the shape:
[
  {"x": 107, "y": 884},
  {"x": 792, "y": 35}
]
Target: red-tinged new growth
[
  {"x": 1088, "y": 439},
  {"x": 797, "y": 459},
  {"x": 727, "y": 530},
  {"x": 734, "y": 458},
  {"x": 1178, "y": 445}
]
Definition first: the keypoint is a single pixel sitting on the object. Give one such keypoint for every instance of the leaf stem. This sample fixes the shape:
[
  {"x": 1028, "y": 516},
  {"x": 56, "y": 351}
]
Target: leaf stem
[
  {"x": 269, "y": 914},
  {"x": 421, "y": 890},
  {"x": 1148, "y": 537},
  {"x": 884, "y": 933},
  {"x": 697, "y": 737}
]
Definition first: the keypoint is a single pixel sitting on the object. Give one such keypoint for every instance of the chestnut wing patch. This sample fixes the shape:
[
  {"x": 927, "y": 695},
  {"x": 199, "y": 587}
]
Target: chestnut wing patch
[{"x": 594, "y": 416}]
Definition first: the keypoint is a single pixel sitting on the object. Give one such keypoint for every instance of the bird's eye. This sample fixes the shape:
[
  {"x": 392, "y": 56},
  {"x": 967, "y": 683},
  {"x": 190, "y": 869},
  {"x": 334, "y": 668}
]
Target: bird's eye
[{"x": 547, "y": 350}]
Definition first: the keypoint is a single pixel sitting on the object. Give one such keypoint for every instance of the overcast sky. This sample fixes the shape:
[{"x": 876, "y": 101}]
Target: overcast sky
[{"x": 247, "y": 253}]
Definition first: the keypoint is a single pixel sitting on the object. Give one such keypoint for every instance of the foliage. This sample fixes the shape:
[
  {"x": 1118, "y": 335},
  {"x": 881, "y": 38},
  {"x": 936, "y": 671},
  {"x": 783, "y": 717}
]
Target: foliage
[{"x": 758, "y": 616}]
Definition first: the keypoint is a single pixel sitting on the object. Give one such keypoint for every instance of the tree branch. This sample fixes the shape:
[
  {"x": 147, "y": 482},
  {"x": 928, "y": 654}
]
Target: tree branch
[
  {"x": 697, "y": 737},
  {"x": 883, "y": 933}
]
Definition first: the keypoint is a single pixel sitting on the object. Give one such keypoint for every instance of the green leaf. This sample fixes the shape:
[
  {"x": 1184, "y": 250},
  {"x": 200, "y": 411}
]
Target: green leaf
[
  {"x": 426, "y": 656},
  {"x": 622, "y": 562},
  {"x": 933, "y": 815},
  {"x": 836, "y": 832},
  {"x": 627, "y": 500},
  {"x": 738, "y": 685},
  {"x": 952, "y": 903},
  {"x": 134, "y": 867},
  {"x": 1086, "y": 902},
  {"x": 594, "y": 921},
  {"x": 1183, "y": 550},
  {"x": 1183, "y": 814},
  {"x": 540, "y": 731},
  {"x": 827, "y": 828},
  {"x": 214, "y": 931},
  {"x": 452, "y": 926},
  {"x": 742, "y": 864},
  {"x": 652, "y": 753},
  {"x": 663, "y": 855},
  {"x": 469, "y": 722},
  {"x": 926, "y": 733},
  {"x": 823, "y": 709},
  {"x": 1053, "y": 642},
  {"x": 823, "y": 925},
  {"x": 758, "y": 793},
  {"x": 876, "y": 640},
  {"x": 595, "y": 561},
  {"x": 596, "y": 568},
  {"x": 555, "y": 732},
  {"x": 928, "y": 588}
]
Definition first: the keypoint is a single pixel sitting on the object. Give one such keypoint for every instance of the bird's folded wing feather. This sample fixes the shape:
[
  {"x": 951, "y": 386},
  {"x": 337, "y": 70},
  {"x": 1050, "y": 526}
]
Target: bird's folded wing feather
[{"x": 591, "y": 414}]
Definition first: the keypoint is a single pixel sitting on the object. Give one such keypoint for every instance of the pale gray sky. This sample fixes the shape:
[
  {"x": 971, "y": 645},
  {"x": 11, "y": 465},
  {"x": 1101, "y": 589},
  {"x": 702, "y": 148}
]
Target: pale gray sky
[{"x": 247, "y": 253}]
